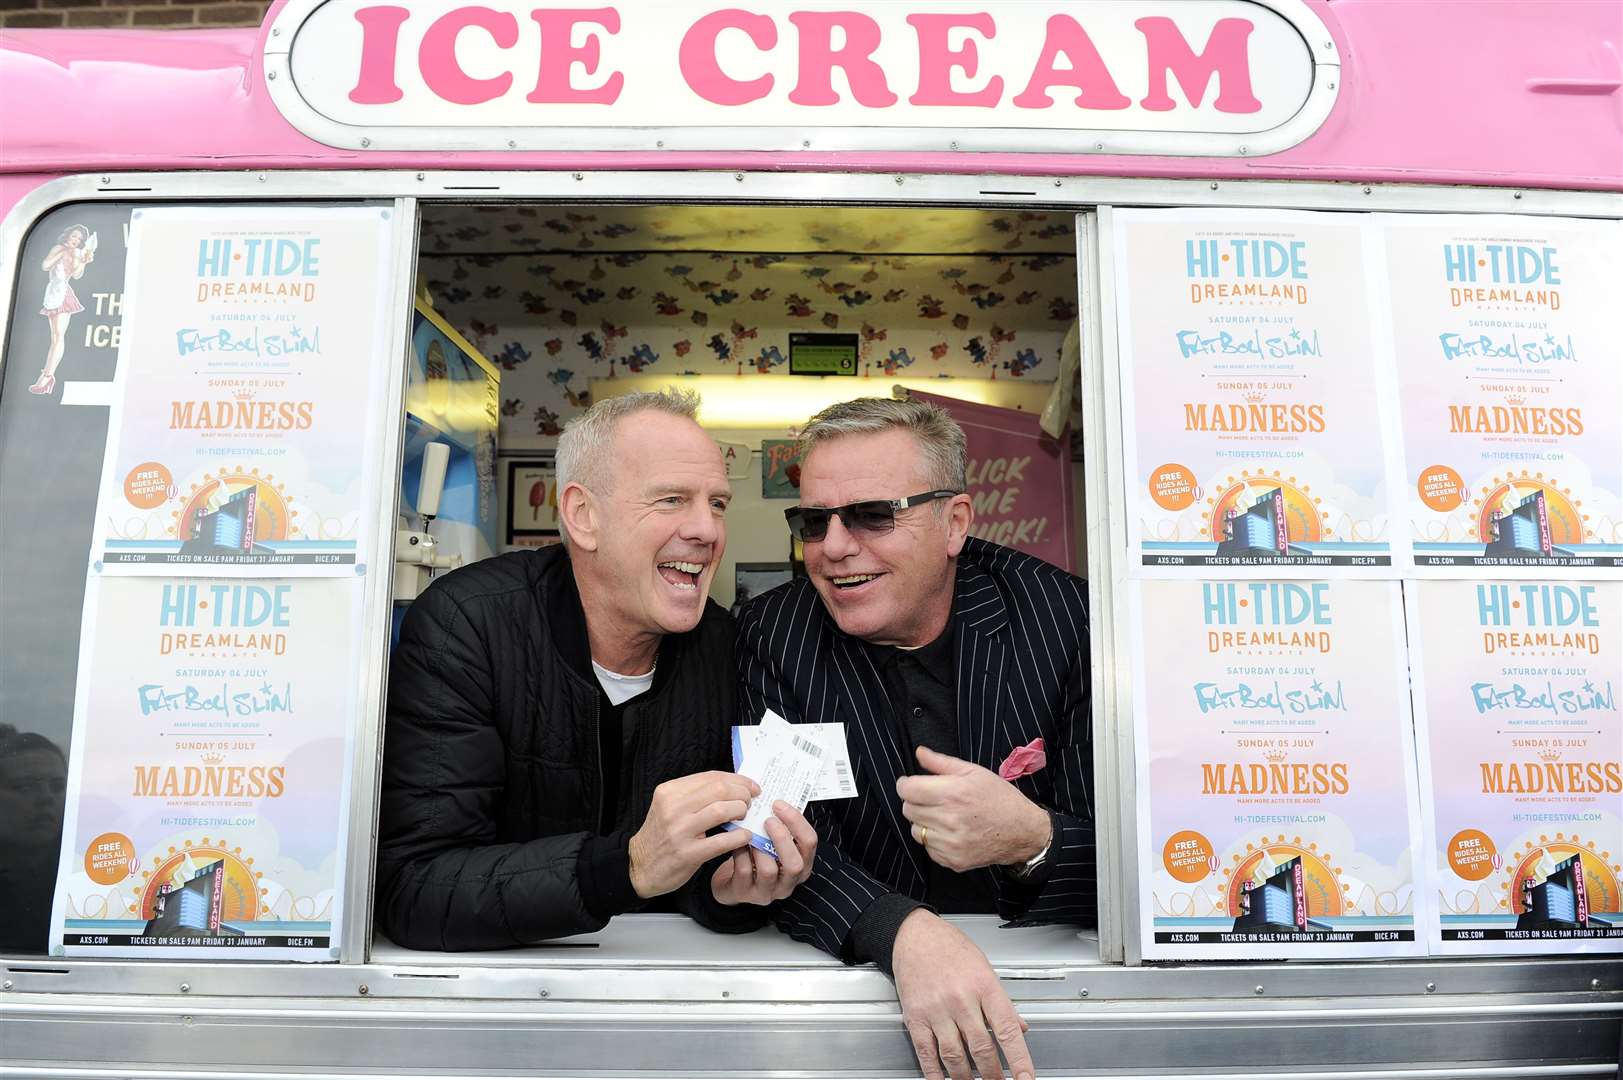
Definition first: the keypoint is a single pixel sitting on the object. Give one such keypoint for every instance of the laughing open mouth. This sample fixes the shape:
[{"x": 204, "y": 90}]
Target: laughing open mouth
[{"x": 683, "y": 575}]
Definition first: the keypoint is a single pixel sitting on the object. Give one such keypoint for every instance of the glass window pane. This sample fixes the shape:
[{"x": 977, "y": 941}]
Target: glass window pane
[{"x": 63, "y": 342}]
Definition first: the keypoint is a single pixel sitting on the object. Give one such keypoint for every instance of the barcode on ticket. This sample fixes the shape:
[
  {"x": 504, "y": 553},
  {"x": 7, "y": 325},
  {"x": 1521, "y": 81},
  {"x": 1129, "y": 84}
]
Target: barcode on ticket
[{"x": 809, "y": 747}]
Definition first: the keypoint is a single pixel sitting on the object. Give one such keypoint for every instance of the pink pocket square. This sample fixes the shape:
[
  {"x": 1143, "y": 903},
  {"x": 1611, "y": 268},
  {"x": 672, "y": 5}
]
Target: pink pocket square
[{"x": 1023, "y": 760}]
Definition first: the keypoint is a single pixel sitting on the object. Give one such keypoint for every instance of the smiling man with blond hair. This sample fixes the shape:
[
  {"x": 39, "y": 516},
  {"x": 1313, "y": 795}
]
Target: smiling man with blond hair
[{"x": 557, "y": 746}]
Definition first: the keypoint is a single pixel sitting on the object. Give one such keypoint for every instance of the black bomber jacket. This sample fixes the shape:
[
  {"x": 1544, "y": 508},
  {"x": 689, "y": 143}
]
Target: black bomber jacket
[{"x": 491, "y": 833}]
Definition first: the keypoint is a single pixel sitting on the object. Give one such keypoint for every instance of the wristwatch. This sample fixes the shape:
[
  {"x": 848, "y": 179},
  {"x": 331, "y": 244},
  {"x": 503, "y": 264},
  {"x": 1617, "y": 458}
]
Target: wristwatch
[{"x": 1029, "y": 867}]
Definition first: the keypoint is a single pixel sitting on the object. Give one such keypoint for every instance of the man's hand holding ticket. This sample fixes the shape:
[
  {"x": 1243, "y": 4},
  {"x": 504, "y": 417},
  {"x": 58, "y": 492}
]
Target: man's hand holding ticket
[
  {"x": 782, "y": 843},
  {"x": 787, "y": 762}
]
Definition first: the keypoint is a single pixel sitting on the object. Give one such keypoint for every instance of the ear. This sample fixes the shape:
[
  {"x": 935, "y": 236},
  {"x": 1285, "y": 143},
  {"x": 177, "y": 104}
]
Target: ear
[
  {"x": 578, "y": 511},
  {"x": 960, "y": 516}
]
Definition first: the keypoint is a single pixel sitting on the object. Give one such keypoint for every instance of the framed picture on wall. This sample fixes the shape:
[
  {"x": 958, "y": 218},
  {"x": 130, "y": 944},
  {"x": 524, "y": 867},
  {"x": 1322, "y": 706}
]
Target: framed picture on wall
[
  {"x": 780, "y": 469},
  {"x": 751, "y": 579},
  {"x": 532, "y": 503}
]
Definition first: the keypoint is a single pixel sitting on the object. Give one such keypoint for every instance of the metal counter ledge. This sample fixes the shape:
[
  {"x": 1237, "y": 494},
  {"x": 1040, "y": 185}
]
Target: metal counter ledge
[{"x": 656, "y": 996}]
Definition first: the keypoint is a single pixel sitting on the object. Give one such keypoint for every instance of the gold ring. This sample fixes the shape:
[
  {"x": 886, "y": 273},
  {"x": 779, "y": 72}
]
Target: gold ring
[{"x": 924, "y": 835}]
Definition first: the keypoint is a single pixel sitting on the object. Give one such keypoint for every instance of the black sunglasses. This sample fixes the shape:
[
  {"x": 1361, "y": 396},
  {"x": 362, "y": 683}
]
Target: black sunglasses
[{"x": 869, "y": 516}]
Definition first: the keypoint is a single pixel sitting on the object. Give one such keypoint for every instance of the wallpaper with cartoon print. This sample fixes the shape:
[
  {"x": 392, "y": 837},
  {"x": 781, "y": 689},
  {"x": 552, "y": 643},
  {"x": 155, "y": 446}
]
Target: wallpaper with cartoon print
[{"x": 558, "y": 296}]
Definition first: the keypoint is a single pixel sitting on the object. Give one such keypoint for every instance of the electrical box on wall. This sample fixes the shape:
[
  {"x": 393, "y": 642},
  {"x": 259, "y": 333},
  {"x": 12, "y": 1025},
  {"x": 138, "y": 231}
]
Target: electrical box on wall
[{"x": 823, "y": 354}]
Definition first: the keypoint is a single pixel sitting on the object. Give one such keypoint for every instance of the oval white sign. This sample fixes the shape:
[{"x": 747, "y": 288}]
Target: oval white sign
[{"x": 1163, "y": 76}]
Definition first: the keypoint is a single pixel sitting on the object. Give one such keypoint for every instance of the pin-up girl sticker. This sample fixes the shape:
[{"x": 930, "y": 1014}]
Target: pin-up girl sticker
[{"x": 74, "y": 250}]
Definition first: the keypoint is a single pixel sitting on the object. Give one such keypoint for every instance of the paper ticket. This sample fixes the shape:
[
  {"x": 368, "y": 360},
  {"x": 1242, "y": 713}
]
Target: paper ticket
[
  {"x": 836, "y": 780},
  {"x": 786, "y": 761}
]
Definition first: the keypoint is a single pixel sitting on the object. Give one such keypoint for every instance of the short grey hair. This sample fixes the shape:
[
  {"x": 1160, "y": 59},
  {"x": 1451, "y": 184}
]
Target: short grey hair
[
  {"x": 585, "y": 453},
  {"x": 940, "y": 440}
]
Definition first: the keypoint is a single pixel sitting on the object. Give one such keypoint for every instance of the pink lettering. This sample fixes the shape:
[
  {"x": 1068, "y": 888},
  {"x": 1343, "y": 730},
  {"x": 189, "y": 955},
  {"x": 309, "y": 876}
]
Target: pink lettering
[
  {"x": 380, "y": 36},
  {"x": 702, "y": 70},
  {"x": 559, "y": 54},
  {"x": 936, "y": 61},
  {"x": 1225, "y": 57},
  {"x": 437, "y": 56},
  {"x": 819, "y": 58},
  {"x": 1087, "y": 71}
]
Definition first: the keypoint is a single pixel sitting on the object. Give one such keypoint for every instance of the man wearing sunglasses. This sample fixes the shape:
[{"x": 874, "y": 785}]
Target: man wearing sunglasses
[{"x": 946, "y": 658}]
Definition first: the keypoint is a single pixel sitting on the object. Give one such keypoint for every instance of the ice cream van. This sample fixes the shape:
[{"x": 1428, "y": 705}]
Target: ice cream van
[{"x": 1289, "y": 325}]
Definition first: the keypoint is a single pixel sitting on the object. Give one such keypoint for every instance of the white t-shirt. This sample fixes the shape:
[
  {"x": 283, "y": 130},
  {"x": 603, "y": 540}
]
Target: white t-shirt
[{"x": 621, "y": 688}]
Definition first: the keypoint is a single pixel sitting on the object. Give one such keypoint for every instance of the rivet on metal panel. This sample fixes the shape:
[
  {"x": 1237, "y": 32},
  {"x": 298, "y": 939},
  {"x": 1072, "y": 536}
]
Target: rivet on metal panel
[
  {"x": 739, "y": 177},
  {"x": 659, "y": 144},
  {"x": 1258, "y": 990},
  {"x": 1594, "y": 984},
  {"x": 1214, "y": 185},
  {"x": 276, "y": 33},
  {"x": 6, "y": 985},
  {"x": 805, "y": 144},
  {"x": 545, "y": 992},
  {"x": 365, "y": 989},
  {"x": 186, "y": 1020},
  {"x": 1368, "y": 190},
  {"x": 422, "y": 176},
  {"x": 1329, "y": 86},
  {"x": 952, "y": 146},
  {"x": 1082, "y": 992},
  {"x": 107, "y": 179},
  {"x": 365, "y": 142},
  {"x": 1329, "y": 44},
  {"x": 1431, "y": 988},
  {"x": 899, "y": 179},
  {"x": 1516, "y": 195},
  {"x": 262, "y": 178},
  {"x": 270, "y": 75},
  {"x": 1244, "y": 150},
  {"x": 185, "y": 988},
  {"x": 579, "y": 176},
  {"x": 1098, "y": 146},
  {"x": 1058, "y": 182},
  {"x": 726, "y": 993},
  {"x": 512, "y": 144}
]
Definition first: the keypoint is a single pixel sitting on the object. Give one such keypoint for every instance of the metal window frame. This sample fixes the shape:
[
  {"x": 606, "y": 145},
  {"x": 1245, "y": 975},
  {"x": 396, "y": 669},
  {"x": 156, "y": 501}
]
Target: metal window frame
[{"x": 1105, "y": 524}]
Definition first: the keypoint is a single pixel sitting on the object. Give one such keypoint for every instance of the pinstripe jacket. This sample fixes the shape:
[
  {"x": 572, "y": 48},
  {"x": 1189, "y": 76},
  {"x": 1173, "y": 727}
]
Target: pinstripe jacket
[{"x": 1022, "y": 673}]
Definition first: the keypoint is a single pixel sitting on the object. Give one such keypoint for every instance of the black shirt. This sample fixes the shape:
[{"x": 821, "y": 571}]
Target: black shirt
[{"x": 922, "y": 686}]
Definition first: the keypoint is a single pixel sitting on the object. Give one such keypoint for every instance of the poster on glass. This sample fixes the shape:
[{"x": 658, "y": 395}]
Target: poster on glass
[
  {"x": 1276, "y": 775},
  {"x": 251, "y": 376},
  {"x": 1521, "y": 743},
  {"x": 1505, "y": 348},
  {"x": 207, "y": 797},
  {"x": 1259, "y": 433}
]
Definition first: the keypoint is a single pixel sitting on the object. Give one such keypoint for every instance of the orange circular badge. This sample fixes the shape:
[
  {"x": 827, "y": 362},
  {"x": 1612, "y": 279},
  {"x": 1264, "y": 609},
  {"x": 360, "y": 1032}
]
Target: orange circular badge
[
  {"x": 1188, "y": 856},
  {"x": 147, "y": 486},
  {"x": 110, "y": 858},
  {"x": 1471, "y": 854},
  {"x": 1173, "y": 487},
  {"x": 1441, "y": 488}
]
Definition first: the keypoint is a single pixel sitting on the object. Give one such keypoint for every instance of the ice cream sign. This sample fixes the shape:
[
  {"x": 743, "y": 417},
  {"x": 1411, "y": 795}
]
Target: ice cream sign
[{"x": 1214, "y": 77}]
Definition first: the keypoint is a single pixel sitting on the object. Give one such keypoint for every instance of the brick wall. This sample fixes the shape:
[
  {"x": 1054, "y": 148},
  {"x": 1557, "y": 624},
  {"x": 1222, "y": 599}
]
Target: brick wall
[{"x": 149, "y": 14}]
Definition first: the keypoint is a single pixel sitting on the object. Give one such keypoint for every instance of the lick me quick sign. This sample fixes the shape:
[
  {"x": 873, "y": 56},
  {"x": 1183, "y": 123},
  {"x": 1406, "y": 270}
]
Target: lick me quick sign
[{"x": 1146, "y": 76}]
